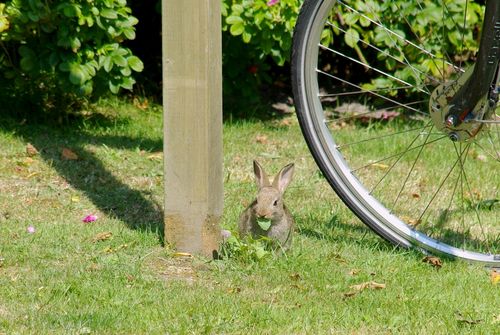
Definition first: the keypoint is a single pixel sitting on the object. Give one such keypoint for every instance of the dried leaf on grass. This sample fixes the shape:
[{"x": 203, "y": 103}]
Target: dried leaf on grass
[
  {"x": 434, "y": 261},
  {"x": 31, "y": 150},
  {"x": 262, "y": 139},
  {"x": 182, "y": 254},
  {"x": 233, "y": 290},
  {"x": 371, "y": 285},
  {"x": 156, "y": 156},
  {"x": 141, "y": 103},
  {"x": 411, "y": 221},
  {"x": 495, "y": 277},
  {"x": 110, "y": 250},
  {"x": 286, "y": 122},
  {"x": 337, "y": 258},
  {"x": 68, "y": 154},
  {"x": 380, "y": 166},
  {"x": 106, "y": 235},
  {"x": 25, "y": 162}
]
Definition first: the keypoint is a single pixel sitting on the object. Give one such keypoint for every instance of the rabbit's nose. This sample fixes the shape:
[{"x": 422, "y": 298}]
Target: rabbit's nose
[{"x": 264, "y": 214}]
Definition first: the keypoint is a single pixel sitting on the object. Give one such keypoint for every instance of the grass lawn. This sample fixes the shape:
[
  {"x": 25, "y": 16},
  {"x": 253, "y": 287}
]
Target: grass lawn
[{"x": 113, "y": 275}]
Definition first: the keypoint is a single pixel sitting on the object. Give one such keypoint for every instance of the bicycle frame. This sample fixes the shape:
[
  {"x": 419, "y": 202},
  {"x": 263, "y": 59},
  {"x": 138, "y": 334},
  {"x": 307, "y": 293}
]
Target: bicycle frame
[{"x": 485, "y": 71}]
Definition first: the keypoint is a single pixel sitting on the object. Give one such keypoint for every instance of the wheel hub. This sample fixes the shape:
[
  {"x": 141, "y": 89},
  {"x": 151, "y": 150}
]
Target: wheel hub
[{"x": 457, "y": 130}]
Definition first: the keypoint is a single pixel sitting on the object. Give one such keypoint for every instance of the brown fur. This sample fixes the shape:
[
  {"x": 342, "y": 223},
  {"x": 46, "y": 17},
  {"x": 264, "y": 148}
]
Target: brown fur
[{"x": 269, "y": 205}]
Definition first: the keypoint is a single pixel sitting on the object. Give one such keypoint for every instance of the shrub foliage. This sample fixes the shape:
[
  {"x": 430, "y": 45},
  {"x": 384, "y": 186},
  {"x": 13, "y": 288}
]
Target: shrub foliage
[
  {"x": 64, "y": 49},
  {"x": 59, "y": 50},
  {"x": 266, "y": 27}
]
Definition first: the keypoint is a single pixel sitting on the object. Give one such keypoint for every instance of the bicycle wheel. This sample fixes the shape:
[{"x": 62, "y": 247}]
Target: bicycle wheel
[{"x": 366, "y": 77}]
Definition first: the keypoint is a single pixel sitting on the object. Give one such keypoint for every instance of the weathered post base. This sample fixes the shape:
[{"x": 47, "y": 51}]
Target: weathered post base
[{"x": 192, "y": 102}]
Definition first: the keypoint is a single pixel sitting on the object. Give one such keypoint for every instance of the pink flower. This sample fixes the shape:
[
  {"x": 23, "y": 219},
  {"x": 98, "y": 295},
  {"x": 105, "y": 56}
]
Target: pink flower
[
  {"x": 31, "y": 230},
  {"x": 225, "y": 234},
  {"x": 272, "y": 2},
  {"x": 90, "y": 218}
]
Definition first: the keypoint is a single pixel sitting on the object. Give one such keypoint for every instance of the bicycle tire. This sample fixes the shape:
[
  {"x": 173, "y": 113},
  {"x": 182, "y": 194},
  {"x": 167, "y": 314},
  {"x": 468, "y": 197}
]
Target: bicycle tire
[{"x": 321, "y": 141}]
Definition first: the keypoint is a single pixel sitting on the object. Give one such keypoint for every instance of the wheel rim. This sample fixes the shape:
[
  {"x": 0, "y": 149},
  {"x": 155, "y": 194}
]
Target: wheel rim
[{"x": 408, "y": 180}]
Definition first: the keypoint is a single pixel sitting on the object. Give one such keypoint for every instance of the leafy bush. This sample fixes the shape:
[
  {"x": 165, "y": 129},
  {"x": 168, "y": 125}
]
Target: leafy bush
[
  {"x": 267, "y": 26},
  {"x": 264, "y": 31},
  {"x": 257, "y": 35},
  {"x": 60, "y": 50},
  {"x": 433, "y": 26}
]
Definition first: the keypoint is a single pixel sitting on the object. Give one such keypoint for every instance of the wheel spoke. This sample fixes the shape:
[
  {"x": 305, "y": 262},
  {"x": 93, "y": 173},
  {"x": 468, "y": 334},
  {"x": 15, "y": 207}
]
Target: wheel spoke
[
  {"x": 371, "y": 68},
  {"x": 404, "y": 152},
  {"x": 439, "y": 189},
  {"x": 371, "y": 92},
  {"x": 411, "y": 169},
  {"x": 404, "y": 40},
  {"x": 384, "y": 136},
  {"x": 383, "y": 52},
  {"x": 397, "y": 154}
]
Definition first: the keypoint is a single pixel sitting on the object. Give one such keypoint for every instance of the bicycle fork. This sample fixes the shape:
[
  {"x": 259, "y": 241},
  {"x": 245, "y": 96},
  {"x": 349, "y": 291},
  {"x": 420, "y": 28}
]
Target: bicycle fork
[{"x": 485, "y": 78}]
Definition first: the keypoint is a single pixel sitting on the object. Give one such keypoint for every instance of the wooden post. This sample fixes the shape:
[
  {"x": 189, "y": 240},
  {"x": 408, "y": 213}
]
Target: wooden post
[{"x": 192, "y": 104}]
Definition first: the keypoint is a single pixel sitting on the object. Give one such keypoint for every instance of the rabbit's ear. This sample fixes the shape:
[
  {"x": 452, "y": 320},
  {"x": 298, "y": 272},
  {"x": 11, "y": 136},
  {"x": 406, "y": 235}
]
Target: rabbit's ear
[
  {"x": 261, "y": 178},
  {"x": 283, "y": 178}
]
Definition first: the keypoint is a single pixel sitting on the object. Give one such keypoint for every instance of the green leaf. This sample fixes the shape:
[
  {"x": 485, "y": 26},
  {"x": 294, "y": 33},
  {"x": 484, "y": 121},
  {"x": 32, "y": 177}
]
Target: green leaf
[
  {"x": 126, "y": 71},
  {"x": 119, "y": 60},
  {"x": 4, "y": 24},
  {"x": 264, "y": 224},
  {"x": 260, "y": 252},
  {"x": 25, "y": 51},
  {"x": 64, "y": 67},
  {"x": 128, "y": 83},
  {"x": 75, "y": 44},
  {"x": 237, "y": 9},
  {"x": 27, "y": 64},
  {"x": 76, "y": 75},
  {"x": 87, "y": 88},
  {"x": 234, "y": 19},
  {"x": 351, "y": 18},
  {"x": 113, "y": 88},
  {"x": 135, "y": 63},
  {"x": 90, "y": 21},
  {"x": 237, "y": 29},
  {"x": 129, "y": 33},
  {"x": 351, "y": 37},
  {"x": 247, "y": 37},
  {"x": 364, "y": 21},
  {"x": 108, "y": 64},
  {"x": 72, "y": 10},
  {"x": 90, "y": 68},
  {"x": 109, "y": 13}
]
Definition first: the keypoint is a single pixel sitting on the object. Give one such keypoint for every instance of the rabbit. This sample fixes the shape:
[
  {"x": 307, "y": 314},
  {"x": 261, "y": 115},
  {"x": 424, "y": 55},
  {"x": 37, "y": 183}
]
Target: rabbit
[{"x": 268, "y": 207}]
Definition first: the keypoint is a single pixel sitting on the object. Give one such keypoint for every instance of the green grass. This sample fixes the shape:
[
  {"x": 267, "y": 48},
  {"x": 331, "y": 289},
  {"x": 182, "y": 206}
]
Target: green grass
[{"x": 58, "y": 280}]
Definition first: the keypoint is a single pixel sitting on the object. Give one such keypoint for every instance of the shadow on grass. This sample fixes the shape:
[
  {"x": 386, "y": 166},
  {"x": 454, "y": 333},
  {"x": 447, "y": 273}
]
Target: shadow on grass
[
  {"x": 335, "y": 230},
  {"x": 137, "y": 209}
]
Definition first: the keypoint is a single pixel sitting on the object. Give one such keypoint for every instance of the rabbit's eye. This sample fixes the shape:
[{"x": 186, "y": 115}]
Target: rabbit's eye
[{"x": 275, "y": 203}]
